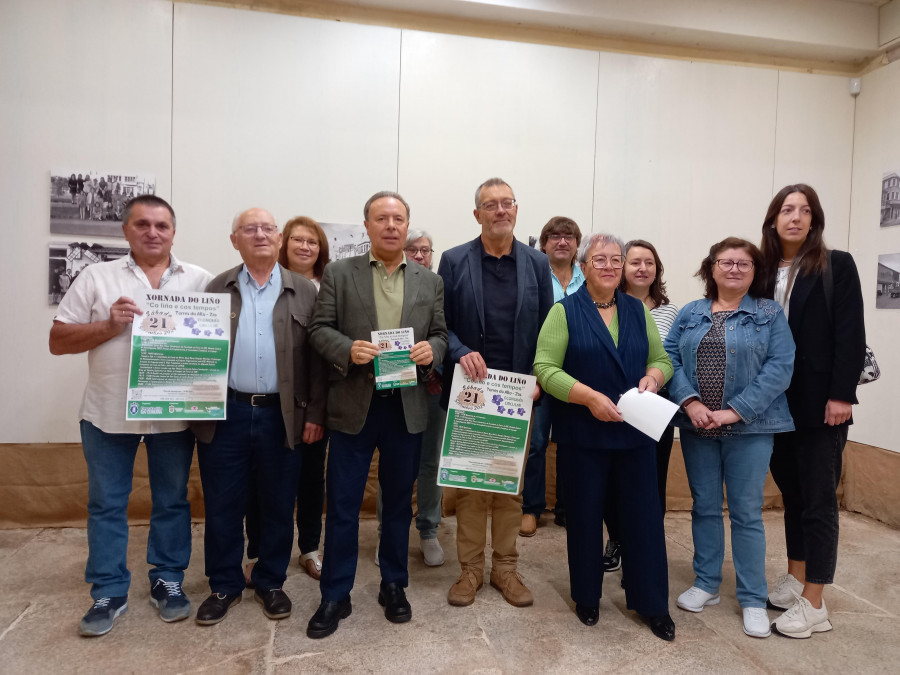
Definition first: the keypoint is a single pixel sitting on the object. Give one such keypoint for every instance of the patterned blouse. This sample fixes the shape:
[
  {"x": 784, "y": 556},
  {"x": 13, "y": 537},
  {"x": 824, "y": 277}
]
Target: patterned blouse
[{"x": 711, "y": 369}]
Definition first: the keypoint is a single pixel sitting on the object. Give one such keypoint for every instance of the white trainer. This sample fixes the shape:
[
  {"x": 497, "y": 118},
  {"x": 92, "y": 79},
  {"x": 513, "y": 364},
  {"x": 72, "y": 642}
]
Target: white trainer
[
  {"x": 802, "y": 620},
  {"x": 431, "y": 549},
  {"x": 756, "y": 622},
  {"x": 695, "y": 599},
  {"x": 785, "y": 592}
]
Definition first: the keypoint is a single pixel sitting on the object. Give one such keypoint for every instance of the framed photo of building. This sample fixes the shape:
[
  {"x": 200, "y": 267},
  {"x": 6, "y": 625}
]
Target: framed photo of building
[{"x": 67, "y": 261}]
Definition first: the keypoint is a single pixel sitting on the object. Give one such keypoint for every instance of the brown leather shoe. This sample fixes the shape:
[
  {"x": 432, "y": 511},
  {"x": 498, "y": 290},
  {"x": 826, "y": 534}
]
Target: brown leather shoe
[
  {"x": 510, "y": 584},
  {"x": 529, "y": 525},
  {"x": 462, "y": 593}
]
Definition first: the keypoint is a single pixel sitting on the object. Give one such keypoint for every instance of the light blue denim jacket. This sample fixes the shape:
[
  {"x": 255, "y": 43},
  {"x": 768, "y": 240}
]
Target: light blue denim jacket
[{"x": 759, "y": 361}]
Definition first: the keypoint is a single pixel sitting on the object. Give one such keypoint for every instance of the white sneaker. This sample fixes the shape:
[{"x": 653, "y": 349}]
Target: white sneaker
[
  {"x": 802, "y": 620},
  {"x": 756, "y": 622},
  {"x": 431, "y": 549},
  {"x": 377, "y": 561},
  {"x": 695, "y": 599},
  {"x": 785, "y": 592}
]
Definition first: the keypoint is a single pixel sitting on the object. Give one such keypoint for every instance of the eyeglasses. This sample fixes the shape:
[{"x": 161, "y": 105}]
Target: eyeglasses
[
  {"x": 412, "y": 250},
  {"x": 556, "y": 237},
  {"x": 507, "y": 204},
  {"x": 617, "y": 262},
  {"x": 726, "y": 265},
  {"x": 266, "y": 228},
  {"x": 311, "y": 243}
]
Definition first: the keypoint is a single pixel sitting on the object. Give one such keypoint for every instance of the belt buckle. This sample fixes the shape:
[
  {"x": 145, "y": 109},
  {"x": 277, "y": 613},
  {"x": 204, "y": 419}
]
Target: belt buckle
[{"x": 253, "y": 398}]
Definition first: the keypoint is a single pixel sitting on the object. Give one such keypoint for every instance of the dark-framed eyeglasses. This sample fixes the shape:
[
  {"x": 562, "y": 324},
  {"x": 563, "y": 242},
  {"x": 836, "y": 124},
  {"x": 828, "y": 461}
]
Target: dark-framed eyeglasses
[
  {"x": 557, "y": 237},
  {"x": 726, "y": 265},
  {"x": 424, "y": 250}
]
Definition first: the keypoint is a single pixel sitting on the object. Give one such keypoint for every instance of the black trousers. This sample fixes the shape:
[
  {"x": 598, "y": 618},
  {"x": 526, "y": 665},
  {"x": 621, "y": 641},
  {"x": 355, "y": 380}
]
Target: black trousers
[{"x": 806, "y": 465}]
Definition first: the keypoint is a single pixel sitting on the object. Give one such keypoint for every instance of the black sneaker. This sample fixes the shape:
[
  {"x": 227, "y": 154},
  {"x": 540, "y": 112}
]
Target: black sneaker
[
  {"x": 171, "y": 601},
  {"x": 99, "y": 618},
  {"x": 612, "y": 557}
]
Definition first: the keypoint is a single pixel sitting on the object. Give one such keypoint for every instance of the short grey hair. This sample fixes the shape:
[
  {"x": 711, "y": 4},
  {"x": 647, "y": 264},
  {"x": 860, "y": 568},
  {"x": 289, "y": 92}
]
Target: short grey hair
[
  {"x": 236, "y": 221},
  {"x": 412, "y": 235},
  {"x": 382, "y": 195},
  {"x": 598, "y": 238},
  {"x": 490, "y": 182}
]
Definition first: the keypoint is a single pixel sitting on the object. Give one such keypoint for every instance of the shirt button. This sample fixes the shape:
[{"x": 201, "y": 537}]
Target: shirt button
[
  {"x": 731, "y": 328},
  {"x": 732, "y": 351}
]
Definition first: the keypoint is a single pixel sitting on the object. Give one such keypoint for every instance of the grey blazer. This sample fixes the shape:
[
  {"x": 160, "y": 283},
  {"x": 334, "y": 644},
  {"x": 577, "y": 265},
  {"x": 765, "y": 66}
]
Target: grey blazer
[{"x": 346, "y": 312}]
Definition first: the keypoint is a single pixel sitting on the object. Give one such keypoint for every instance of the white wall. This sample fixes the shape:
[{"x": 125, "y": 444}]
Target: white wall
[
  {"x": 876, "y": 150},
  {"x": 310, "y": 117}
]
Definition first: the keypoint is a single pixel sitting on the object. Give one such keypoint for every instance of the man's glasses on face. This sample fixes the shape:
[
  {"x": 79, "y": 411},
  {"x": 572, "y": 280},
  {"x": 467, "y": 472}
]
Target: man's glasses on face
[
  {"x": 266, "y": 228},
  {"x": 617, "y": 262},
  {"x": 726, "y": 265},
  {"x": 507, "y": 204},
  {"x": 412, "y": 250},
  {"x": 557, "y": 237}
]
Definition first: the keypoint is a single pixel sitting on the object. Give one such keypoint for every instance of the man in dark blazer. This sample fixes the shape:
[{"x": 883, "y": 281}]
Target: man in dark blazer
[
  {"x": 276, "y": 399},
  {"x": 379, "y": 290},
  {"x": 497, "y": 294}
]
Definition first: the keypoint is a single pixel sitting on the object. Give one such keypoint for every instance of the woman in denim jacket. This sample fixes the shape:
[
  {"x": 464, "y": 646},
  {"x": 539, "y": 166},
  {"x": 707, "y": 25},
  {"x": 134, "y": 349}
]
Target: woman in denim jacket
[{"x": 733, "y": 356}]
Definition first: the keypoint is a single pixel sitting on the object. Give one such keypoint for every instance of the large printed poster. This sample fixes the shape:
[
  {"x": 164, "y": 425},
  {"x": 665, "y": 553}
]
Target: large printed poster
[
  {"x": 179, "y": 356},
  {"x": 486, "y": 434}
]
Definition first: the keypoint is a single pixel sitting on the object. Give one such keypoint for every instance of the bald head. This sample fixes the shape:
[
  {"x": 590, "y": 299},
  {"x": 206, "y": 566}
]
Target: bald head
[{"x": 255, "y": 235}]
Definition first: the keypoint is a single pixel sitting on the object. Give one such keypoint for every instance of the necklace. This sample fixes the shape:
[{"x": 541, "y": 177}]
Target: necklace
[
  {"x": 605, "y": 305},
  {"x": 787, "y": 261}
]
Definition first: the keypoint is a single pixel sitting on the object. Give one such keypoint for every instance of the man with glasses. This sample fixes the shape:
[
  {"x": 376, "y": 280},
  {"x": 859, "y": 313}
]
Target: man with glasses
[
  {"x": 375, "y": 291},
  {"x": 497, "y": 293},
  {"x": 275, "y": 401}
]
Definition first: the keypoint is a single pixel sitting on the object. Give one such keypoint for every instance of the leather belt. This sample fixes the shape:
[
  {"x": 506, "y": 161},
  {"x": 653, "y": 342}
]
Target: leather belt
[
  {"x": 384, "y": 393},
  {"x": 256, "y": 400}
]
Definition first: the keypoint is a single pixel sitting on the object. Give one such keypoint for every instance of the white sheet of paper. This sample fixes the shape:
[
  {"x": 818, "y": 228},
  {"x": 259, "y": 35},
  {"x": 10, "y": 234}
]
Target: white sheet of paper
[{"x": 647, "y": 412}]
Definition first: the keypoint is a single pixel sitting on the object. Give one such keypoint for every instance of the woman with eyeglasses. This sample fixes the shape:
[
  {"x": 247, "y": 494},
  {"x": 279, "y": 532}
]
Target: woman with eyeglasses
[
  {"x": 831, "y": 339},
  {"x": 733, "y": 355},
  {"x": 642, "y": 279},
  {"x": 304, "y": 249},
  {"x": 595, "y": 345}
]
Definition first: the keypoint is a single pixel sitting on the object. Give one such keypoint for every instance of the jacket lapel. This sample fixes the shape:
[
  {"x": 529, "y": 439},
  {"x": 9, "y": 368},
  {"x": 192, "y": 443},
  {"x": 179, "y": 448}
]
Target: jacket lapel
[
  {"x": 475, "y": 275},
  {"x": 797, "y": 303},
  {"x": 362, "y": 279},
  {"x": 411, "y": 283}
]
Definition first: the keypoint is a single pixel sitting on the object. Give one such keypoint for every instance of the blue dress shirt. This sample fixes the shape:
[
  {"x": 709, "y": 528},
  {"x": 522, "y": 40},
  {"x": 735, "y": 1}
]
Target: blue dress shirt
[{"x": 253, "y": 367}]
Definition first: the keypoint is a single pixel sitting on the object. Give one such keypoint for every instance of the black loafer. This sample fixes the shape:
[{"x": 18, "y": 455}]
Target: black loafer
[
  {"x": 326, "y": 619},
  {"x": 276, "y": 604},
  {"x": 560, "y": 519},
  {"x": 215, "y": 607},
  {"x": 393, "y": 598},
  {"x": 662, "y": 626},
  {"x": 587, "y": 615}
]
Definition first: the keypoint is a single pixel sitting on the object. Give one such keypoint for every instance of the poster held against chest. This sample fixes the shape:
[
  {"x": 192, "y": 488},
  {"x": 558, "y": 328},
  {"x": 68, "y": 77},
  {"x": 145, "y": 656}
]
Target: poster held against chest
[
  {"x": 486, "y": 435},
  {"x": 179, "y": 356}
]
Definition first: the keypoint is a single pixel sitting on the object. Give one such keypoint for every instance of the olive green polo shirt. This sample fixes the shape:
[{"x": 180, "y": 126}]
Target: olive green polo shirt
[{"x": 388, "y": 293}]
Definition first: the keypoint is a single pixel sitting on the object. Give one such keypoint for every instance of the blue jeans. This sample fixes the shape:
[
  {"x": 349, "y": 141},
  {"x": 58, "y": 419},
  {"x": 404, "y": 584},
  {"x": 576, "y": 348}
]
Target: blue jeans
[
  {"x": 250, "y": 437},
  {"x": 110, "y": 463},
  {"x": 534, "y": 490},
  {"x": 428, "y": 492},
  {"x": 741, "y": 462},
  {"x": 349, "y": 458}
]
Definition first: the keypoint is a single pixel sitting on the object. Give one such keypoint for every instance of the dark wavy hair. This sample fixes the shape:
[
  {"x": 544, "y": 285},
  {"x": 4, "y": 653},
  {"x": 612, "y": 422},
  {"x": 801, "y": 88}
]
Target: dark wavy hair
[
  {"x": 812, "y": 258},
  {"x": 309, "y": 223},
  {"x": 658, "y": 287},
  {"x": 561, "y": 225},
  {"x": 706, "y": 267}
]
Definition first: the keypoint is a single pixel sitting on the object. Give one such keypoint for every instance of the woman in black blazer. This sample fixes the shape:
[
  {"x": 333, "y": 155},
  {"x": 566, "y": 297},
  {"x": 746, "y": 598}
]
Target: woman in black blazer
[{"x": 822, "y": 298}]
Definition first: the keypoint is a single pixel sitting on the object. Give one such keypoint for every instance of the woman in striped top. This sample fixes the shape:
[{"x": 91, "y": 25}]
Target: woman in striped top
[{"x": 642, "y": 279}]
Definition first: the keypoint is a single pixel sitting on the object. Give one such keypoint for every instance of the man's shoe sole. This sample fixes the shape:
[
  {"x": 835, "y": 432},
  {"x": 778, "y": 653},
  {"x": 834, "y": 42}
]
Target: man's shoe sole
[
  {"x": 529, "y": 603},
  {"x": 823, "y": 627},
  {"x": 314, "y": 634},
  {"x": 275, "y": 617},
  {"x": 213, "y": 622},
  {"x": 90, "y": 633},
  {"x": 185, "y": 613}
]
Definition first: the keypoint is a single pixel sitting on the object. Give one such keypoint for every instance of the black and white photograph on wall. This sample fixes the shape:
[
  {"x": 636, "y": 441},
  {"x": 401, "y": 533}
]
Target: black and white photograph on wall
[
  {"x": 90, "y": 203},
  {"x": 890, "y": 200},
  {"x": 67, "y": 261},
  {"x": 346, "y": 241},
  {"x": 888, "y": 293}
]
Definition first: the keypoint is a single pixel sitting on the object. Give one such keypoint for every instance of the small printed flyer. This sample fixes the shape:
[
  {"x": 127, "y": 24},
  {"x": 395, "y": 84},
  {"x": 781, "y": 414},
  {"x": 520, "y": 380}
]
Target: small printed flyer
[
  {"x": 179, "y": 356},
  {"x": 486, "y": 435},
  {"x": 393, "y": 367}
]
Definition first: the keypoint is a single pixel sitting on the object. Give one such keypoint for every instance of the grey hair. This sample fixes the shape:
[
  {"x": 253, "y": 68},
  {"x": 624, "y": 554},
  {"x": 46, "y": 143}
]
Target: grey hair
[
  {"x": 490, "y": 182},
  {"x": 236, "y": 221},
  {"x": 412, "y": 235},
  {"x": 598, "y": 238},
  {"x": 382, "y": 195}
]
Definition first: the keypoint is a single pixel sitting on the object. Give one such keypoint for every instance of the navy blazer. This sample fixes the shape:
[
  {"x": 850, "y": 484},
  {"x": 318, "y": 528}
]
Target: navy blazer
[
  {"x": 830, "y": 349},
  {"x": 464, "y": 309}
]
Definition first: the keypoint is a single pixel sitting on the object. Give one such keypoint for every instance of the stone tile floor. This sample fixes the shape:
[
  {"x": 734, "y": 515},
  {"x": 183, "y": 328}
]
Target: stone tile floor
[{"x": 44, "y": 598}]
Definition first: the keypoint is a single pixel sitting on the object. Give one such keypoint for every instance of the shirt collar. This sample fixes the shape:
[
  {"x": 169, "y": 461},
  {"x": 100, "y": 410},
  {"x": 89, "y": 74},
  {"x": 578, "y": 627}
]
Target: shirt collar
[
  {"x": 173, "y": 268},
  {"x": 511, "y": 254},
  {"x": 374, "y": 261},
  {"x": 245, "y": 279}
]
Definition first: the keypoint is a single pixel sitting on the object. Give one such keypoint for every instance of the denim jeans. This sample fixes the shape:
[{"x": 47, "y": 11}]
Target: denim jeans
[
  {"x": 428, "y": 492},
  {"x": 110, "y": 463},
  {"x": 806, "y": 466},
  {"x": 741, "y": 462},
  {"x": 251, "y": 436},
  {"x": 349, "y": 458},
  {"x": 534, "y": 490}
]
